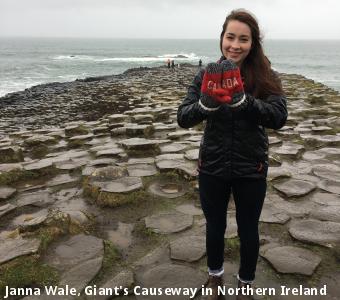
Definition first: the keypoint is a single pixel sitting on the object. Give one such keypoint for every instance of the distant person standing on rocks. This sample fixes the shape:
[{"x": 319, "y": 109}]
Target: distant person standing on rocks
[
  {"x": 172, "y": 64},
  {"x": 200, "y": 63},
  {"x": 168, "y": 62},
  {"x": 238, "y": 97}
]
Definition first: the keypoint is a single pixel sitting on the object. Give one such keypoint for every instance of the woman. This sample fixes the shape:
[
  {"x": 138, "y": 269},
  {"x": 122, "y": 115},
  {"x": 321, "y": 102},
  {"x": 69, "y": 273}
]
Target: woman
[{"x": 238, "y": 97}]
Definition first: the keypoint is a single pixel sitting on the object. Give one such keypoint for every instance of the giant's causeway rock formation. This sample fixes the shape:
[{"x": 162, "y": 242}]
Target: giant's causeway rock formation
[{"x": 98, "y": 185}]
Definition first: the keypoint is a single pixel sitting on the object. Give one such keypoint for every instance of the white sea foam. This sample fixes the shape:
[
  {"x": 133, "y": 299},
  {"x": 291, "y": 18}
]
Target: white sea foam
[{"x": 160, "y": 58}]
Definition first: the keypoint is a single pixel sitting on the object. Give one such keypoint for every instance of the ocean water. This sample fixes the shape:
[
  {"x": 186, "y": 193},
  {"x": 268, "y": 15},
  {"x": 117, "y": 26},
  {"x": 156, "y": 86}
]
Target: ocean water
[{"x": 25, "y": 62}]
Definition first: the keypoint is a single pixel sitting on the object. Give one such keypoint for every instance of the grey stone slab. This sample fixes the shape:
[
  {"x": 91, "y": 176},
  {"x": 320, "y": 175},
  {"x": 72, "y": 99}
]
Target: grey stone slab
[
  {"x": 79, "y": 276},
  {"x": 295, "y": 188},
  {"x": 168, "y": 189},
  {"x": 140, "y": 170},
  {"x": 74, "y": 251},
  {"x": 12, "y": 248},
  {"x": 326, "y": 199},
  {"x": 171, "y": 276},
  {"x": 318, "y": 232},
  {"x": 168, "y": 222},
  {"x": 25, "y": 221},
  {"x": 188, "y": 248},
  {"x": 292, "y": 260},
  {"x": 6, "y": 192}
]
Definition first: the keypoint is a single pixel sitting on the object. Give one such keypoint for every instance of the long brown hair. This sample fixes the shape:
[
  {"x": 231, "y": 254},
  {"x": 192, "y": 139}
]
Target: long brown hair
[{"x": 259, "y": 78}]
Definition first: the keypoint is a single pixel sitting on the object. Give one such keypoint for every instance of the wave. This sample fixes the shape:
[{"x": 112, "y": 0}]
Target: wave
[{"x": 144, "y": 58}]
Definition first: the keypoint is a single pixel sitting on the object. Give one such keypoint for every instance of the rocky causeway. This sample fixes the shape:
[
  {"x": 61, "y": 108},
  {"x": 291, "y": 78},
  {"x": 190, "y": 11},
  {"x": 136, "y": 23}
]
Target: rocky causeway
[{"x": 98, "y": 189}]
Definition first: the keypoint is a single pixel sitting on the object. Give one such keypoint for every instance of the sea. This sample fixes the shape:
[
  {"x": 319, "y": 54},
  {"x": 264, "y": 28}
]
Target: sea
[{"x": 25, "y": 62}]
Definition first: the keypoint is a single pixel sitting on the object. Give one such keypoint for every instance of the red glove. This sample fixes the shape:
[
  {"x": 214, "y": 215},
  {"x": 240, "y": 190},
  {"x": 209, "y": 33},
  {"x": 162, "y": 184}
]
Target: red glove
[{"x": 232, "y": 82}]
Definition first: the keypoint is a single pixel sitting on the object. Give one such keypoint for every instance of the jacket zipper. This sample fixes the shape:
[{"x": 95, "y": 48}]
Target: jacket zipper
[{"x": 232, "y": 145}]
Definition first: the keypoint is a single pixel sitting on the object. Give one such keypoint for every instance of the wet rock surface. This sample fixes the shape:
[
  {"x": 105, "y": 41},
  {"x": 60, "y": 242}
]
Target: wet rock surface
[
  {"x": 292, "y": 260},
  {"x": 99, "y": 183}
]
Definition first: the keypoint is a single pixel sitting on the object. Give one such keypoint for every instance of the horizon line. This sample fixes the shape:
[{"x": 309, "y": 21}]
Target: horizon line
[{"x": 158, "y": 38}]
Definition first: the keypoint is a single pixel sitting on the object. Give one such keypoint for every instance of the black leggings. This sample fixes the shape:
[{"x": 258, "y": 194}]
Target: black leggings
[{"x": 248, "y": 195}]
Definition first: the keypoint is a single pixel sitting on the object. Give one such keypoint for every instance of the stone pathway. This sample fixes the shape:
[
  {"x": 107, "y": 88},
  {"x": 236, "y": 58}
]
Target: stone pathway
[{"x": 98, "y": 183}]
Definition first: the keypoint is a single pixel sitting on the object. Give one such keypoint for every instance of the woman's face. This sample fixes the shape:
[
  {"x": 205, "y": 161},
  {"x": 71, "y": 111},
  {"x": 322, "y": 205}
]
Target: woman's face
[{"x": 236, "y": 43}]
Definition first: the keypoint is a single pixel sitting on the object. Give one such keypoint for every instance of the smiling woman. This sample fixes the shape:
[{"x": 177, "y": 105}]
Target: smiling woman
[
  {"x": 237, "y": 41},
  {"x": 238, "y": 97}
]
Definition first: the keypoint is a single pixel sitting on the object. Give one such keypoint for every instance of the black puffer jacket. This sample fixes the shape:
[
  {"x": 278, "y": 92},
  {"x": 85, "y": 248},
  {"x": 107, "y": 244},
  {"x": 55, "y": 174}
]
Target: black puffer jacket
[{"x": 234, "y": 144}]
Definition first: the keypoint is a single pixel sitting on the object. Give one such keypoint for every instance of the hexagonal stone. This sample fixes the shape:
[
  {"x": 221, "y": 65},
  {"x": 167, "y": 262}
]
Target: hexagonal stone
[
  {"x": 155, "y": 257},
  {"x": 192, "y": 154},
  {"x": 164, "y": 127},
  {"x": 187, "y": 168},
  {"x": 109, "y": 152},
  {"x": 289, "y": 149},
  {"x": 75, "y": 130},
  {"x": 12, "y": 248},
  {"x": 326, "y": 199},
  {"x": 140, "y": 170},
  {"x": 70, "y": 165},
  {"x": 330, "y": 186},
  {"x": 167, "y": 189},
  {"x": 37, "y": 140},
  {"x": 133, "y": 161},
  {"x": 329, "y": 140},
  {"x": 63, "y": 180},
  {"x": 298, "y": 167},
  {"x": 274, "y": 140},
  {"x": 292, "y": 260},
  {"x": 118, "y": 118},
  {"x": 109, "y": 173},
  {"x": 291, "y": 208},
  {"x": 38, "y": 199},
  {"x": 122, "y": 185},
  {"x": 79, "y": 276},
  {"x": 6, "y": 192},
  {"x": 272, "y": 214},
  {"x": 171, "y": 276},
  {"x": 188, "y": 248},
  {"x": 327, "y": 171},
  {"x": 143, "y": 118},
  {"x": 81, "y": 138},
  {"x": 330, "y": 151},
  {"x": 141, "y": 144},
  {"x": 75, "y": 251},
  {"x": 329, "y": 213},
  {"x": 172, "y": 148},
  {"x": 317, "y": 232},
  {"x": 180, "y": 133},
  {"x": 313, "y": 155},
  {"x": 111, "y": 186},
  {"x": 40, "y": 165},
  {"x": 102, "y": 162},
  {"x": 168, "y": 222},
  {"x": 110, "y": 193},
  {"x": 119, "y": 131},
  {"x": 135, "y": 130},
  {"x": 30, "y": 220},
  {"x": 295, "y": 188},
  {"x": 278, "y": 172}
]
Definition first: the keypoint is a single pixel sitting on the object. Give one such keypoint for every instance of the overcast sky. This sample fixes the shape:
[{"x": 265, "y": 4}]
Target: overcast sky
[{"x": 279, "y": 19}]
